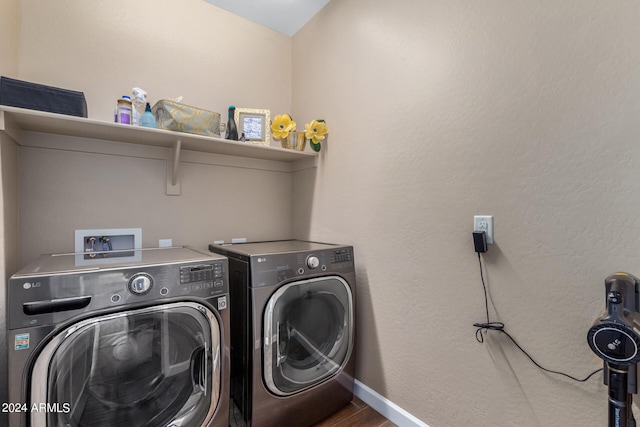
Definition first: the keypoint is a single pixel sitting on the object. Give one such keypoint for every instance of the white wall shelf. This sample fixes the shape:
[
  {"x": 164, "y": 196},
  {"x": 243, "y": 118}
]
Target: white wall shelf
[{"x": 13, "y": 121}]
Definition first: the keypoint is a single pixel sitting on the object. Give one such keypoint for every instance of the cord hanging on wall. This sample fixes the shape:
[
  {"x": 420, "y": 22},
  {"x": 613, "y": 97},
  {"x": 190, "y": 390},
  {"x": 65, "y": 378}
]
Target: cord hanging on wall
[{"x": 500, "y": 327}]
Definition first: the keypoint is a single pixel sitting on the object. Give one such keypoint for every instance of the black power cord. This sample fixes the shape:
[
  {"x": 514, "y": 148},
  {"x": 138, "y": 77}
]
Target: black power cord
[{"x": 499, "y": 326}]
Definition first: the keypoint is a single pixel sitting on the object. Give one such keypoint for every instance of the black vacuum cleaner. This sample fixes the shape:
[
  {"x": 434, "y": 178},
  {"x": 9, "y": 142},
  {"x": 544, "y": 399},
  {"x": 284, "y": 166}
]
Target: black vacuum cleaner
[{"x": 615, "y": 338}]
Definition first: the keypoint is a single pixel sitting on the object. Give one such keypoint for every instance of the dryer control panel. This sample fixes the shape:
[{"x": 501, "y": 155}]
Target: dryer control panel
[
  {"x": 342, "y": 255},
  {"x": 325, "y": 260},
  {"x": 277, "y": 268}
]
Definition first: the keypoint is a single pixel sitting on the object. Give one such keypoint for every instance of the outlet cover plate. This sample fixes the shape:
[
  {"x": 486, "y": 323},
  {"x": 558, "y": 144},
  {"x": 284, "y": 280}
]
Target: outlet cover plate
[
  {"x": 484, "y": 223},
  {"x": 165, "y": 243}
]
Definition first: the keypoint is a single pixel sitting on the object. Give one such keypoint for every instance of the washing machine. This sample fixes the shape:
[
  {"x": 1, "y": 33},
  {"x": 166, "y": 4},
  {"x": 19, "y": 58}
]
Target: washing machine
[
  {"x": 292, "y": 347},
  {"x": 137, "y": 340}
]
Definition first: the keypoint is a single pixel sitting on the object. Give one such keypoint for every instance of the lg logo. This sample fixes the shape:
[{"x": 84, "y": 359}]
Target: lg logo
[
  {"x": 28, "y": 285},
  {"x": 614, "y": 345}
]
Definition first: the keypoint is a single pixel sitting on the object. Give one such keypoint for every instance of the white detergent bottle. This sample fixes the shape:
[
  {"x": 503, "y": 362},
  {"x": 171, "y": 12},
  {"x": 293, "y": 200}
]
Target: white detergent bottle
[{"x": 139, "y": 101}]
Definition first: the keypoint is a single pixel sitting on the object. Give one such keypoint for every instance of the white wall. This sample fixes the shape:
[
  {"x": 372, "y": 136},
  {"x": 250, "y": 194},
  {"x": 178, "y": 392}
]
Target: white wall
[{"x": 439, "y": 110}]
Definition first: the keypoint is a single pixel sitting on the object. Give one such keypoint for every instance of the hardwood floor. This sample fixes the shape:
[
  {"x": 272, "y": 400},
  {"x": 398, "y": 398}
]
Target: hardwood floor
[{"x": 356, "y": 414}]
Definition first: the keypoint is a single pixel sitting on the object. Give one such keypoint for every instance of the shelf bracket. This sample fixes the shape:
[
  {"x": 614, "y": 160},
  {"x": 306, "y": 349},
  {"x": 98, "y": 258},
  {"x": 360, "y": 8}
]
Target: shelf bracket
[
  {"x": 9, "y": 127},
  {"x": 173, "y": 183}
]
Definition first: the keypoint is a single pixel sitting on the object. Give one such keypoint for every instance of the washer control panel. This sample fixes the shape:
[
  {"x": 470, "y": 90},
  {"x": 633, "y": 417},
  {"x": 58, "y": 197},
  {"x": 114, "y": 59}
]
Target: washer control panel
[
  {"x": 38, "y": 299},
  {"x": 193, "y": 280},
  {"x": 202, "y": 277},
  {"x": 201, "y": 273}
]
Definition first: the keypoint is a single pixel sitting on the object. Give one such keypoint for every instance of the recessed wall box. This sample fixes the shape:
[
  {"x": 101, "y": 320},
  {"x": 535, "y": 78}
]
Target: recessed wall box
[{"x": 97, "y": 246}]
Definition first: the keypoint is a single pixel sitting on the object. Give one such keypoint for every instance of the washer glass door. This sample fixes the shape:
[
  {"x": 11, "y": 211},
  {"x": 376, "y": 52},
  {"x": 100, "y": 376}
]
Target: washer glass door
[
  {"x": 308, "y": 327},
  {"x": 155, "y": 366}
]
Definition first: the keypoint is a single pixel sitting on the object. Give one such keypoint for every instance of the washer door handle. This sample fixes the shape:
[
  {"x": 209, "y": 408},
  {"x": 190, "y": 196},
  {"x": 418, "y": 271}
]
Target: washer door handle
[{"x": 60, "y": 304}]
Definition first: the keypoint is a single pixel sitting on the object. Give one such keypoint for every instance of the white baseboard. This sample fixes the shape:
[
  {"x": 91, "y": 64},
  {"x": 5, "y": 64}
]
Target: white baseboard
[{"x": 390, "y": 410}]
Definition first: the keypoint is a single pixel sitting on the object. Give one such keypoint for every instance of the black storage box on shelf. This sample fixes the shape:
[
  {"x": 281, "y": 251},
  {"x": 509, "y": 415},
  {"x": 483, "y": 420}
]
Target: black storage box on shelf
[{"x": 34, "y": 96}]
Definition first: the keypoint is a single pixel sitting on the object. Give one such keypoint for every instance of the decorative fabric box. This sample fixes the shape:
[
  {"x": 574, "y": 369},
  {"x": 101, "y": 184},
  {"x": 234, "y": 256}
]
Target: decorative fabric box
[
  {"x": 34, "y": 96},
  {"x": 179, "y": 117}
]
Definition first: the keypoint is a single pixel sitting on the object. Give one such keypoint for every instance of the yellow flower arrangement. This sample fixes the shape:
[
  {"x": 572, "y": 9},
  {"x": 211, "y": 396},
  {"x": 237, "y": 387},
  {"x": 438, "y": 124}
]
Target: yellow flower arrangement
[
  {"x": 316, "y": 132},
  {"x": 282, "y": 125}
]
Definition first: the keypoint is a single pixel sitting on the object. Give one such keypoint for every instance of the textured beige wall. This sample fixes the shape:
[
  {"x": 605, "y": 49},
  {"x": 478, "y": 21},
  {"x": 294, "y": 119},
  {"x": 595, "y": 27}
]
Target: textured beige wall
[
  {"x": 439, "y": 110},
  {"x": 64, "y": 191},
  {"x": 9, "y": 24},
  {"x": 187, "y": 48}
]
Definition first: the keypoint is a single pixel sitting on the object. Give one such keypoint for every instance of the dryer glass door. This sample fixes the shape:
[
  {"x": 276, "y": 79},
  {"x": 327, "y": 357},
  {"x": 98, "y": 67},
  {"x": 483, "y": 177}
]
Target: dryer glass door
[
  {"x": 308, "y": 328},
  {"x": 155, "y": 366}
]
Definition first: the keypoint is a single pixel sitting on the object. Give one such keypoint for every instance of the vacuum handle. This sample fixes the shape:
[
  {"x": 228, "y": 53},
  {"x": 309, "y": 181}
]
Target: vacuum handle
[
  {"x": 622, "y": 286},
  {"x": 619, "y": 407}
]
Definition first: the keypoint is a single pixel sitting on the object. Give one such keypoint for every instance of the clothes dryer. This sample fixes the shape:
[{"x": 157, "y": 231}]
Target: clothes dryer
[
  {"x": 116, "y": 342},
  {"x": 292, "y": 348}
]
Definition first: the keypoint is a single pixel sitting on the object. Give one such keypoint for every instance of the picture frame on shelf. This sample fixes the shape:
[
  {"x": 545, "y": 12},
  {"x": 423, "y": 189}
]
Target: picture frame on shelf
[{"x": 255, "y": 124}]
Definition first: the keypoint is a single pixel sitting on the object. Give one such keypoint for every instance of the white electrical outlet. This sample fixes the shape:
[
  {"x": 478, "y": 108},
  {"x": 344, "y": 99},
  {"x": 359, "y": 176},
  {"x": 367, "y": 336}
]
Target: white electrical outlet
[
  {"x": 484, "y": 223},
  {"x": 165, "y": 243}
]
